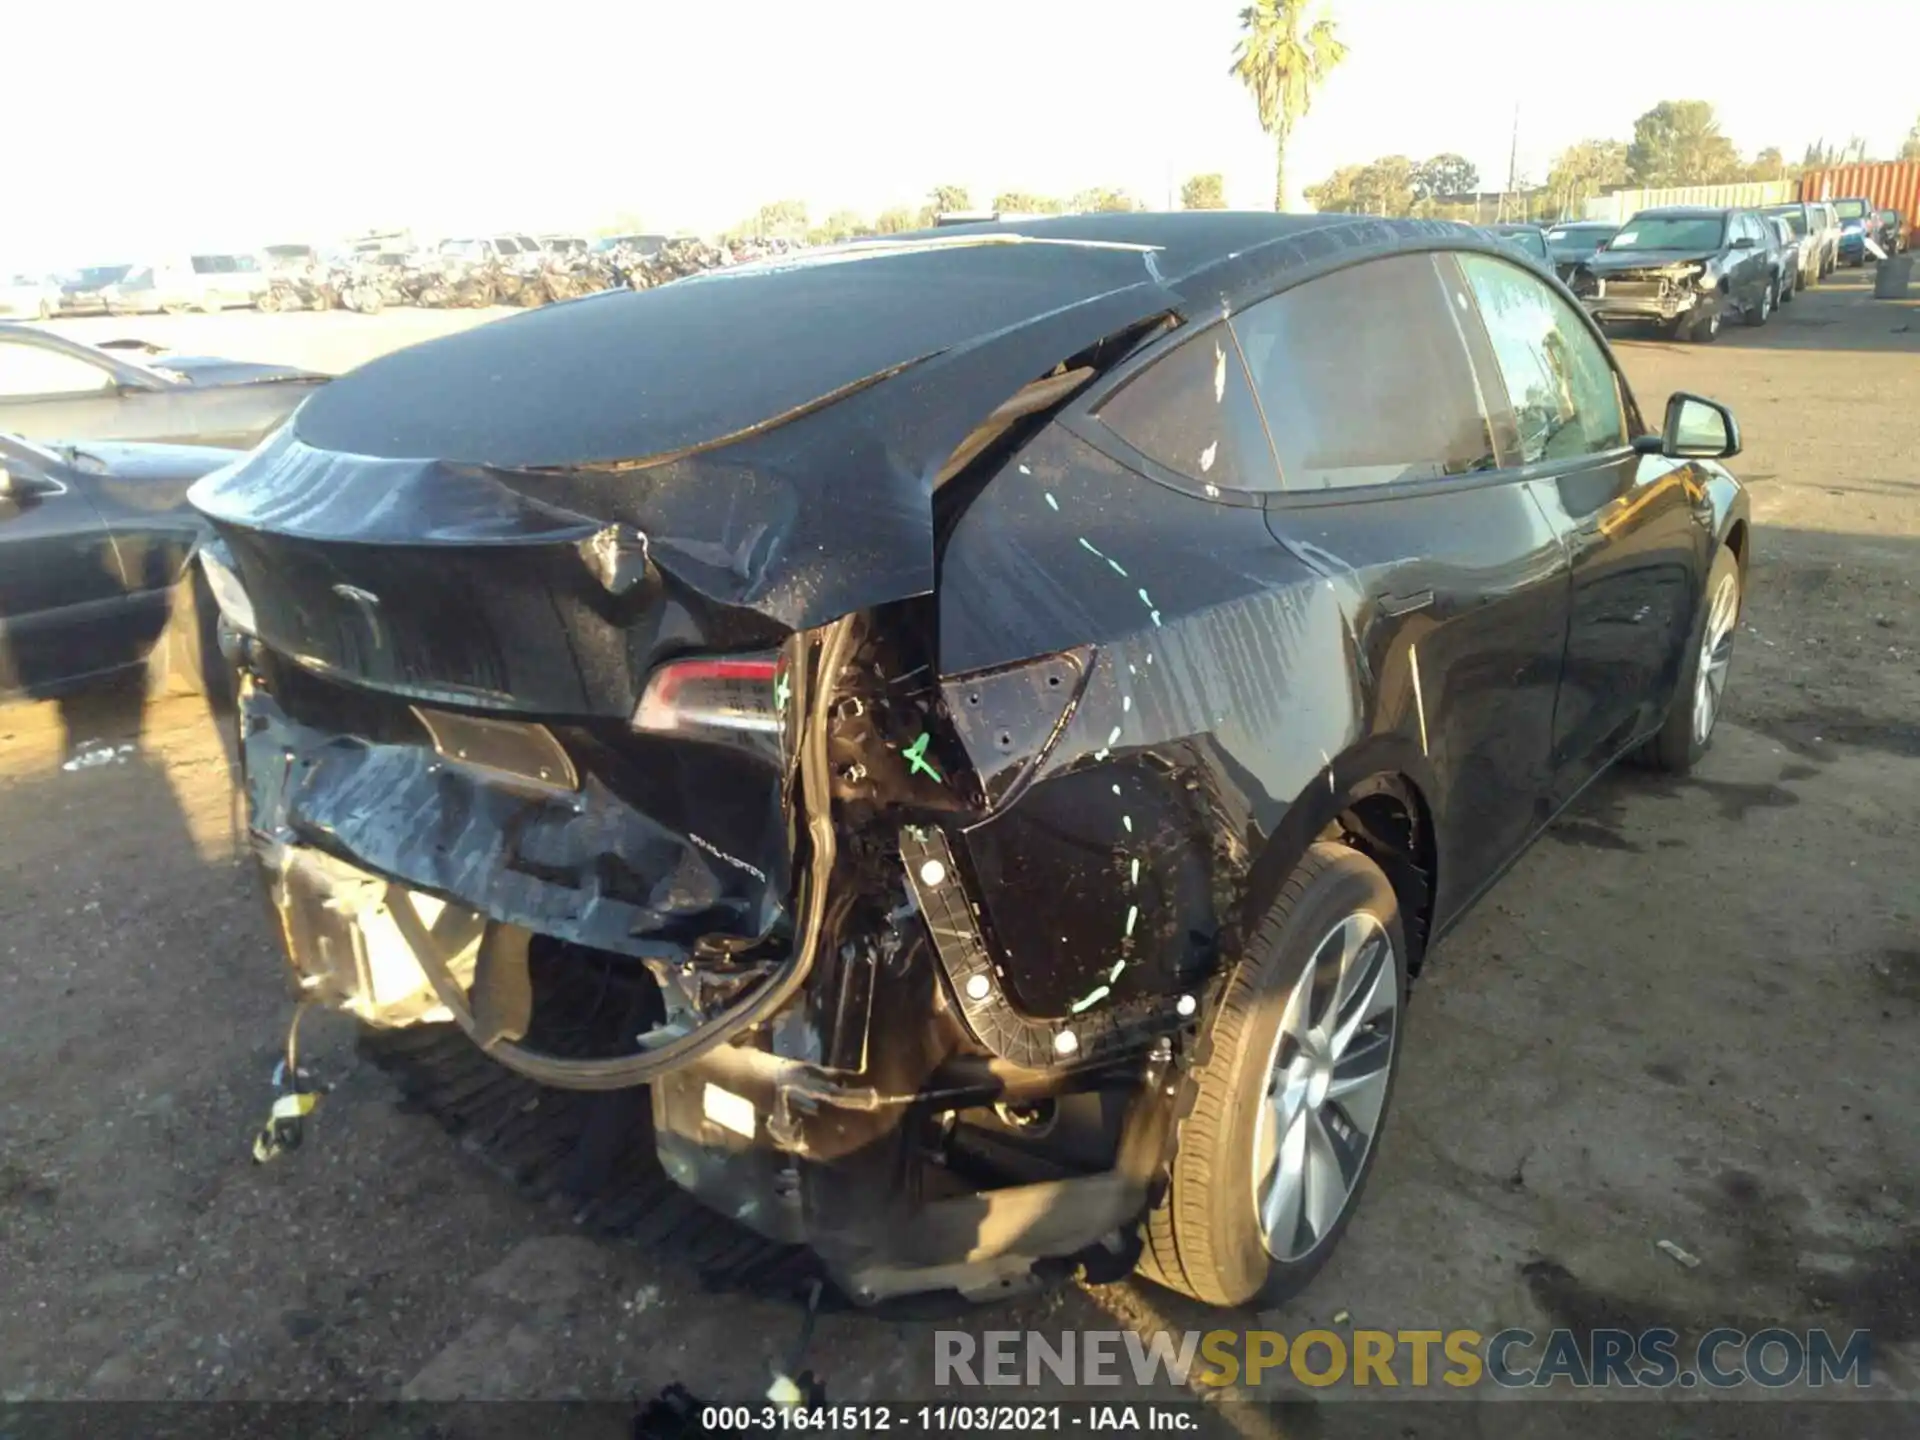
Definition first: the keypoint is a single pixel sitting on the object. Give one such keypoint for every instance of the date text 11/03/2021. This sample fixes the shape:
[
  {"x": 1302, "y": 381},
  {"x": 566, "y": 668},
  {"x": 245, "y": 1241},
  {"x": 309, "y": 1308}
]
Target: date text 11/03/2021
[{"x": 958, "y": 1419}]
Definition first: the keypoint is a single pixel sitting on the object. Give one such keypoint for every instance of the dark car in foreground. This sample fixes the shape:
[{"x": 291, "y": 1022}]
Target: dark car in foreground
[
  {"x": 1684, "y": 268},
  {"x": 96, "y": 573},
  {"x": 56, "y": 387},
  {"x": 987, "y": 743}
]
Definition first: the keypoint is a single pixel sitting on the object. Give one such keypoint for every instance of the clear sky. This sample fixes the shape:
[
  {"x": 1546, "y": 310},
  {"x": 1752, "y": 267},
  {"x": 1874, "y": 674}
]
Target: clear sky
[{"x": 135, "y": 126}]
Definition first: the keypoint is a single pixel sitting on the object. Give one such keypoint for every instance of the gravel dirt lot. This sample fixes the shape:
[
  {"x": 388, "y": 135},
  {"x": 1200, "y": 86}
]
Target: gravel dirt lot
[{"x": 1690, "y": 1014}]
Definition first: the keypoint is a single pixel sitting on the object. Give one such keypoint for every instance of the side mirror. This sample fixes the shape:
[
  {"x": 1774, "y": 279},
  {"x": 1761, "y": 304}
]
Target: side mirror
[
  {"x": 21, "y": 487},
  {"x": 1696, "y": 429},
  {"x": 1745, "y": 242}
]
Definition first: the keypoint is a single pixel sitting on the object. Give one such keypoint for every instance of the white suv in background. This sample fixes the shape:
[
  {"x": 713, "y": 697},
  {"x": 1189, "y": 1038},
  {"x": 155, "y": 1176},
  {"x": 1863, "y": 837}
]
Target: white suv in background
[{"x": 193, "y": 282}]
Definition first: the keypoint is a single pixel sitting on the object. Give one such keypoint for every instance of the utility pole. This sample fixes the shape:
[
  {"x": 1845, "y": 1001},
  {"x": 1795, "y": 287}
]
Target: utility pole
[{"x": 1513, "y": 162}]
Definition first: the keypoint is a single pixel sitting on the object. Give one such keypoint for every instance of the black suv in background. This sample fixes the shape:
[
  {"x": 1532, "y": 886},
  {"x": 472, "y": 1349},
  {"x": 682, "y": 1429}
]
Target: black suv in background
[{"x": 1684, "y": 268}]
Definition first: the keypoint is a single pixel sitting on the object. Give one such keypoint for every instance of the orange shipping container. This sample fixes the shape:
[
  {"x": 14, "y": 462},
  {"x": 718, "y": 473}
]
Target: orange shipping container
[{"x": 1894, "y": 185}]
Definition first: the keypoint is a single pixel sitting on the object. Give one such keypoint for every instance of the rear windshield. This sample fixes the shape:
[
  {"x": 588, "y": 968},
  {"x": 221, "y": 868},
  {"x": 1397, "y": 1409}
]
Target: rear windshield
[
  {"x": 1850, "y": 209},
  {"x": 1670, "y": 232}
]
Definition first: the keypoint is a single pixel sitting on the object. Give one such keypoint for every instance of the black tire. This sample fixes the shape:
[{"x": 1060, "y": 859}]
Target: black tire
[
  {"x": 1789, "y": 287},
  {"x": 1205, "y": 1239},
  {"x": 1676, "y": 747},
  {"x": 1758, "y": 314},
  {"x": 1703, "y": 329}
]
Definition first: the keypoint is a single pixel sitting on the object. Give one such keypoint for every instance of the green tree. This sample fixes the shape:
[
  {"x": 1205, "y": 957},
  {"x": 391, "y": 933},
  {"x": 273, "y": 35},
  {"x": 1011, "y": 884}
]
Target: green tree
[
  {"x": 1678, "y": 142},
  {"x": 1381, "y": 187},
  {"x": 1911, "y": 150},
  {"x": 1101, "y": 198},
  {"x": 1769, "y": 164},
  {"x": 896, "y": 220},
  {"x": 1283, "y": 61},
  {"x": 949, "y": 197},
  {"x": 1584, "y": 169},
  {"x": 840, "y": 225},
  {"x": 1019, "y": 202},
  {"x": 1204, "y": 192},
  {"x": 1336, "y": 195},
  {"x": 1447, "y": 174}
]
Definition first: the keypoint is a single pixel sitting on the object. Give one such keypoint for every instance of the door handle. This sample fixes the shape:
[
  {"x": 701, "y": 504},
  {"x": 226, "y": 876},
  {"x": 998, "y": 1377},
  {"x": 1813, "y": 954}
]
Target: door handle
[{"x": 1393, "y": 605}]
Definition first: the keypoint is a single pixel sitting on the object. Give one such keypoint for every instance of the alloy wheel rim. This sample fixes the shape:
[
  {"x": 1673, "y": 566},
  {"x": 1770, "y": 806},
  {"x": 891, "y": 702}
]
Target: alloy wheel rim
[
  {"x": 1326, "y": 1086},
  {"x": 1716, "y": 654}
]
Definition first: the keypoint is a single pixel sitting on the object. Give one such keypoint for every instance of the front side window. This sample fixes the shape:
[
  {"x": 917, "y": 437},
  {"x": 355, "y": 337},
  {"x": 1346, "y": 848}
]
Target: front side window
[
  {"x": 1559, "y": 380},
  {"x": 1365, "y": 379},
  {"x": 33, "y": 370},
  {"x": 1193, "y": 411},
  {"x": 505, "y": 245}
]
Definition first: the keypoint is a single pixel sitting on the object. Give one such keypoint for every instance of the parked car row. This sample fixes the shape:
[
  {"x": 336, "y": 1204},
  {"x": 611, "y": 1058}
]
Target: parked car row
[{"x": 1690, "y": 269}]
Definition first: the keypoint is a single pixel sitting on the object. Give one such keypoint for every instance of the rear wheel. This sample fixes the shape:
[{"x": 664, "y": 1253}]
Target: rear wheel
[
  {"x": 1760, "y": 313},
  {"x": 1688, "y": 729},
  {"x": 1299, "y": 1060}
]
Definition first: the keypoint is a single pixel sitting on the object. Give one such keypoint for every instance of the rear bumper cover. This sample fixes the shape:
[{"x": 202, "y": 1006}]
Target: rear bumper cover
[{"x": 797, "y": 1151}]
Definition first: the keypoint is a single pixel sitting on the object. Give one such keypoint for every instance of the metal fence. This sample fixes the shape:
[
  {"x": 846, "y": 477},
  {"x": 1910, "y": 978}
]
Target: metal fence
[{"x": 1622, "y": 205}]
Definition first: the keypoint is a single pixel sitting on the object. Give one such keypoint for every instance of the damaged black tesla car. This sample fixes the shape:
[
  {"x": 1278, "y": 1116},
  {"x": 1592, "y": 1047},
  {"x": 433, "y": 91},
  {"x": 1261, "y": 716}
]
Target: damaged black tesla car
[{"x": 983, "y": 727}]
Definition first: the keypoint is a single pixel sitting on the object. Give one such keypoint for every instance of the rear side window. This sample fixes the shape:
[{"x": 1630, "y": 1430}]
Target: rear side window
[
  {"x": 1365, "y": 380},
  {"x": 1559, "y": 382},
  {"x": 1193, "y": 411}
]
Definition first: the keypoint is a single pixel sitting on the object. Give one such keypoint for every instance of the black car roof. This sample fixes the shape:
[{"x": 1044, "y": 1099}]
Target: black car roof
[
  {"x": 628, "y": 375},
  {"x": 1688, "y": 212}
]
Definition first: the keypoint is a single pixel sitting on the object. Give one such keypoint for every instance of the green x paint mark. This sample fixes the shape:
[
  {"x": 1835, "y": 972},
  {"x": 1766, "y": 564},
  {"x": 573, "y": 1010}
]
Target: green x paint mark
[
  {"x": 916, "y": 757},
  {"x": 782, "y": 692}
]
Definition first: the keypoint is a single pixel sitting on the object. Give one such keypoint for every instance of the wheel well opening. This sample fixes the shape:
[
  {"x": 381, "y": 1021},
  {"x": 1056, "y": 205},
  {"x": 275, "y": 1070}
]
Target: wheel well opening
[
  {"x": 1390, "y": 827},
  {"x": 1737, "y": 547},
  {"x": 1737, "y": 543}
]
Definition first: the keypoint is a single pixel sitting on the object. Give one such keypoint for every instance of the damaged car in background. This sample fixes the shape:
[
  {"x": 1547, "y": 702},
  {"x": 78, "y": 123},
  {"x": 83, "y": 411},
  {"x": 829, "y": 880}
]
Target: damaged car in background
[
  {"x": 53, "y": 387},
  {"x": 963, "y": 741}
]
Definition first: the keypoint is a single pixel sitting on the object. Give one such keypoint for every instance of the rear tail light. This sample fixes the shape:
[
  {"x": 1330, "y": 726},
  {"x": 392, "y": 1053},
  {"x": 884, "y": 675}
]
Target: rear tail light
[{"x": 726, "y": 700}]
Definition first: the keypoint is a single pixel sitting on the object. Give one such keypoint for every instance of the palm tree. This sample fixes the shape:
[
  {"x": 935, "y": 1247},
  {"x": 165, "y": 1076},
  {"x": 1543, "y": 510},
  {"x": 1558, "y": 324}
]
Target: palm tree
[{"x": 1283, "y": 61}]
